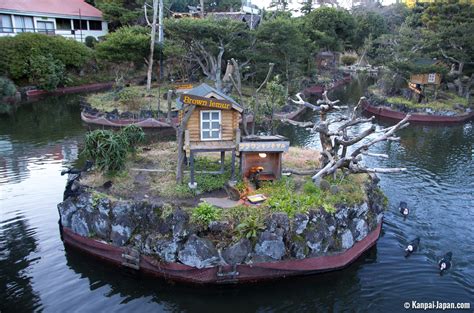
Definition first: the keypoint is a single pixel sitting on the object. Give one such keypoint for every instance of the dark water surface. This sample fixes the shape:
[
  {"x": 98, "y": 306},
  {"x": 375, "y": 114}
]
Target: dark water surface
[{"x": 37, "y": 273}]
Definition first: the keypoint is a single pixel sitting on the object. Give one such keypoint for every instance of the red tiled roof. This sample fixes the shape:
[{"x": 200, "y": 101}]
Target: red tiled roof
[{"x": 63, "y": 7}]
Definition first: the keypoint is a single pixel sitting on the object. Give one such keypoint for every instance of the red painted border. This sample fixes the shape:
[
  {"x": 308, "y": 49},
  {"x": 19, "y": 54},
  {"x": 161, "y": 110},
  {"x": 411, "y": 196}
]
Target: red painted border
[
  {"x": 247, "y": 272},
  {"x": 68, "y": 90},
  {"x": 415, "y": 117}
]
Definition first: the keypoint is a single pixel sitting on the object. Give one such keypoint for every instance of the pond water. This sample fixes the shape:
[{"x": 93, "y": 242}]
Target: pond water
[{"x": 37, "y": 273}]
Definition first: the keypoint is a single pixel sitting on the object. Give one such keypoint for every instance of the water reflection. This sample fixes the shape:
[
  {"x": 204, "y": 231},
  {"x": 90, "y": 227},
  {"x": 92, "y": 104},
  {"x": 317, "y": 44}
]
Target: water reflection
[
  {"x": 334, "y": 290},
  {"x": 17, "y": 243}
]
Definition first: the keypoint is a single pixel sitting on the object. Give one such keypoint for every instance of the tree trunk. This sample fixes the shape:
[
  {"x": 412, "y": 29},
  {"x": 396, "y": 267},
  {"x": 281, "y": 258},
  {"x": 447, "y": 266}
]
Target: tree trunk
[
  {"x": 152, "y": 45},
  {"x": 219, "y": 67},
  {"x": 202, "y": 8},
  {"x": 181, "y": 155}
]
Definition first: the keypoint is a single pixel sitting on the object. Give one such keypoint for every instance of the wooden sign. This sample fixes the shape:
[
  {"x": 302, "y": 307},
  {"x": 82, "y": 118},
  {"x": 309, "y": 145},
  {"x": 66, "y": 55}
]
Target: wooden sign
[
  {"x": 264, "y": 146},
  {"x": 206, "y": 102},
  {"x": 184, "y": 86},
  {"x": 412, "y": 86}
]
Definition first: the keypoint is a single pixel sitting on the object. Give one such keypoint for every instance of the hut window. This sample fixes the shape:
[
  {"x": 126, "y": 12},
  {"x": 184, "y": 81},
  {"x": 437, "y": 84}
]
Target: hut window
[
  {"x": 431, "y": 78},
  {"x": 210, "y": 125}
]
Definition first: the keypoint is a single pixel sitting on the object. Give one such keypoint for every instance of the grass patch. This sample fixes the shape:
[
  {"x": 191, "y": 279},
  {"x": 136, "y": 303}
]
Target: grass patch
[
  {"x": 205, "y": 213},
  {"x": 285, "y": 196},
  {"x": 448, "y": 103},
  {"x": 129, "y": 99}
]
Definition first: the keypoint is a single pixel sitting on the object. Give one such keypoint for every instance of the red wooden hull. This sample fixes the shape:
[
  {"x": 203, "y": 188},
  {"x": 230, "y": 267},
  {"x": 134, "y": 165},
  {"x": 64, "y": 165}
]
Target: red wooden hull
[
  {"x": 141, "y": 122},
  {"x": 246, "y": 273},
  {"x": 69, "y": 90},
  {"x": 415, "y": 117}
]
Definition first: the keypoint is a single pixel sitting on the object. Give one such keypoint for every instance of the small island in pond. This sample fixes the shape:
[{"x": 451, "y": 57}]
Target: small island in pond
[
  {"x": 428, "y": 95},
  {"x": 220, "y": 205}
]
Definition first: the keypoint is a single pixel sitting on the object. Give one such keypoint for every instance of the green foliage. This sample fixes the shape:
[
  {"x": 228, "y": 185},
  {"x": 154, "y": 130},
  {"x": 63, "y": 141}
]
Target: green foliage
[
  {"x": 90, "y": 41},
  {"x": 348, "y": 59},
  {"x": 109, "y": 149},
  {"x": 250, "y": 226},
  {"x": 45, "y": 71},
  {"x": 133, "y": 135},
  {"x": 368, "y": 23},
  {"x": 129, "y": 97},
  {"x": 7, "y": 87},
  {"x": 97, "y": 197},
  {"x": 283, "y": 196},
  {"x": 281, "y": 41},
  {"x": 25, "y": 46},
  {"x": 126, "y": 44},
  {"x": 333, "y": 29},
  {"x": 120, "y": 12},
  {"x": 205, "y": 213}
]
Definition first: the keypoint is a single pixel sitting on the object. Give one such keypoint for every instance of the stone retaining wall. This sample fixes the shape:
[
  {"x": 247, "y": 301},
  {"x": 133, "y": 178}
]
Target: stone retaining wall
[{"x": 173, "y": 238}]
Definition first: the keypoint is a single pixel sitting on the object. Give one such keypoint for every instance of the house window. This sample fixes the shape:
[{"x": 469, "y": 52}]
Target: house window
[
  {"x": 95, "y": 25},
  {"x": 24, "y": 24},
  {"x": 80, "y": 24},
  {"x": 63, "y": 24},
  {"x": 6, "y": 24},
  {"x": 432, "y": 78},
  {"x": 45, "y": 27},
  {"x": 210, "y": 125}
]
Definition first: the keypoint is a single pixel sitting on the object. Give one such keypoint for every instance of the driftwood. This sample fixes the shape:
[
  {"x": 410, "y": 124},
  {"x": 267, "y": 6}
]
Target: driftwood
[{"x": 336, "y": 142}]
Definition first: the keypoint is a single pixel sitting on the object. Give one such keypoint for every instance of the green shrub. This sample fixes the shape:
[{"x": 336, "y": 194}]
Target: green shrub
[
  {"x": 250, "y": 227},
  {"x": 348, "y": 59},
  {"x": 133, "y": 135},
  {"x": 205, "y": 213},
  {"x": 129, "y": 97},
  {"x": 126, "y": 44},
  {"x": 45, "y": 71},
  {"x": 109, "y": 149},
  {"x": 15, "y": 50},
  {"x": 7, "y": 87},
  {"x": 90, "y": 41}
]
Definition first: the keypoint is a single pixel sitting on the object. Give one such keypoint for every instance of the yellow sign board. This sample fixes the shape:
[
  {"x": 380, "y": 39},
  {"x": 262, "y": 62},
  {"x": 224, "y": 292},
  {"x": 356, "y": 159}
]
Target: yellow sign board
[
  {"x": 206, "y": 102},
  {"x": 184, "y": 86}
]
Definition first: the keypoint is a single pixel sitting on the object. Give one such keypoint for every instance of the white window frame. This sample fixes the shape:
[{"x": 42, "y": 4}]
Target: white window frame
[
  {"x": 210, "y": 120},
  {"x": 432, "y": 78}
]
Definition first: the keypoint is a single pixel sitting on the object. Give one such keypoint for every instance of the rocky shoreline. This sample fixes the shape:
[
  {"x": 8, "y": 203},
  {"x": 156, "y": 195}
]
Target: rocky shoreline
[{"x": 166, "y": 233}]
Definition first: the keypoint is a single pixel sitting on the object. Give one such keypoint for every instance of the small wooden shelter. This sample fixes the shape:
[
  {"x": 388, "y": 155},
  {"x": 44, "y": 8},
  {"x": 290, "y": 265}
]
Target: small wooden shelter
[
  {"x": 262, "y": 154},
  {"x": 213, "y": 125},
  {"x": 419, "y": 81}
]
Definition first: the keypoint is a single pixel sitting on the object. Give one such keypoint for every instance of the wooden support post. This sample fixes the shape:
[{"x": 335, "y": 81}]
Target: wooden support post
[
  {"x": 192, "y": 184},
  {"x": 168, "y": 99},
  {"x": 222, "y": 161},
  {"x": 232, "y": 173}
]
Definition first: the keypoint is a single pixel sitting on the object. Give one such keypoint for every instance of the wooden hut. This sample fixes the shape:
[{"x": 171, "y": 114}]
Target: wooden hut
[{"x": 213, "y": 125}]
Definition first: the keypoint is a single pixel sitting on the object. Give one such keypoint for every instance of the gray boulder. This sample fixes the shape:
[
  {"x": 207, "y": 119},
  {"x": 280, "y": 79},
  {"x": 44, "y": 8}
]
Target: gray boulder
[
  {"x": 300, "y": 222},
  {"x": 179, "y": 224},
  {"x": 80, "y": 224},
  {"x": 271, "y": 245},
  {"x": 238, "y": 252},
  {"x": 361, "y": 210},
  {"x": 84, "y": 202},
  {"x": 278, "y": 222},
  {"x": 100, "y": 224},
  {"x": 347, "y": 240},
  {"x": 359, "y": 229},
  {"x": 199, "y": 253},
  {"x": 123, "y": 224},
  {"x": 66, "y": 209},
  {"x": 166, "y": 249},
  {"x": 120, "y": 234},
  {"x": 217, "y": 227},
  {"x": 298, "y": 249}
]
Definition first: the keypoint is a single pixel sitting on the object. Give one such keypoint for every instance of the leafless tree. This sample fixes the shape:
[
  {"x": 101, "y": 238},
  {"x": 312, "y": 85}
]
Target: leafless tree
[{"x": 337, "y": 140}]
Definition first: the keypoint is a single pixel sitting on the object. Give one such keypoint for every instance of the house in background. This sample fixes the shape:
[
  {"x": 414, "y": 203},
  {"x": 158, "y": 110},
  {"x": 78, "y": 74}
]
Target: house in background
[{"x": 69, "y": 18}]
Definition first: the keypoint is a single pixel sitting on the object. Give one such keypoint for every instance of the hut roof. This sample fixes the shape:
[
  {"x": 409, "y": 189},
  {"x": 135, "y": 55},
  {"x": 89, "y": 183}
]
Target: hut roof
[{"x": 204, "y": 90}]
